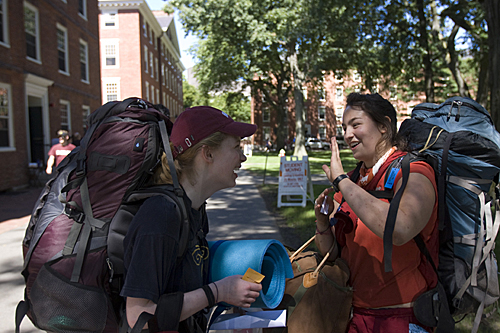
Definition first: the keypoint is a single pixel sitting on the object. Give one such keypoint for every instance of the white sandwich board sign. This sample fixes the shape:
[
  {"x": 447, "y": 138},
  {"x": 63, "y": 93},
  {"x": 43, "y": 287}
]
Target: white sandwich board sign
[{"x": 294, "y": 182}]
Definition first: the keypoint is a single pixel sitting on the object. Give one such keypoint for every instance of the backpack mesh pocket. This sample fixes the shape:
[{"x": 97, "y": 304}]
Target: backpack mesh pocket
[{"x": 59, "y": 305}]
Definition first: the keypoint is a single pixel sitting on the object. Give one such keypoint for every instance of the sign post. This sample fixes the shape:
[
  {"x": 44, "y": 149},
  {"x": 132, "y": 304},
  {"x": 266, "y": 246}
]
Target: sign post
[{"x": 294, "y": 182}]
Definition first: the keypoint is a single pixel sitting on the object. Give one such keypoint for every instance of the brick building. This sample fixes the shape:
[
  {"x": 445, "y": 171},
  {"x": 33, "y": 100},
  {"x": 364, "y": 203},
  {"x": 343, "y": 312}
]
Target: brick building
[
  {"x": 140, "y": 55},
  {"x": 49, "y": 74},
  {"x": 324, "y": 107}
]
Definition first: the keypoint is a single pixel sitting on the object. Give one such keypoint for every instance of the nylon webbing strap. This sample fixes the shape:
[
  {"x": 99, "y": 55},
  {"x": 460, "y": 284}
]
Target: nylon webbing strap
[
  {"x": 442, "y": 183},
  {"x": 177, "y": 188},
  {"x": 390, "y": 222},
  {"x": 144, "y": 317},
  {"x": 72, "y": 238},
  {"x": 80, "y": 256}
]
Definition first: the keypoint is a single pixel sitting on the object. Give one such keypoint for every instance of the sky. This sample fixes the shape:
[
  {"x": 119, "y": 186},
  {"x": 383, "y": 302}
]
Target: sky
[{"x": 184, "y": 42}]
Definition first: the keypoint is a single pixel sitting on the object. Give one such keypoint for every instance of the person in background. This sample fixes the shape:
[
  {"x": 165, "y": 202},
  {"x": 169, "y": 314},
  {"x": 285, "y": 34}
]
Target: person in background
[
  {"x": 353, "y": 226},
  {"x": 75, "y": 139},
  {"x": 59, "y": 151},
  {"x": 205, "y": 144}
]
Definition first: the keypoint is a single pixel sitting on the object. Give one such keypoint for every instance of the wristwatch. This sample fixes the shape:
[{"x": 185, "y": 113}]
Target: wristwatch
[{"x": 335, "y": 183}]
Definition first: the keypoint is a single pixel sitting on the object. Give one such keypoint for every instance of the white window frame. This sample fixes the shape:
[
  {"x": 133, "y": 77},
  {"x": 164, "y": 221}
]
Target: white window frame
[
  {"x": 152, "y": 94},
  {"x": 146, "y": 59},
  {"x": 84, "y": 5},
  {"x": 85, "y": 115},
  {"x": 67, "y": 124},
  {"x": 106, "y": 82},
  {"x": 64, "y": 30},
  {"x": 151, "y": 64},
  {"x": 266, "y": 114},
  {"x": 266, "y": 134},
  {"x": 37, "y": 32},
  {"x": 156, "y": 69},
  {"x": 356, "y": 77},
  {"x": 322, "y": 132},
  {"x": 321, "y": 93},
  {"x": 321, "y": 115},
  {"x": 157, "y": 96},
  {"x": 147, "y": 90},
  {"x": 111, "y": 42},
  {"x": 339, "y": 97},
  {"x": 111, "y": 17},
  {"x": 4, "y": 13},
  {"x": 164, "y": 94},
  {"x": 86, "y": 61},
  {"x": 9, "y": 117}
]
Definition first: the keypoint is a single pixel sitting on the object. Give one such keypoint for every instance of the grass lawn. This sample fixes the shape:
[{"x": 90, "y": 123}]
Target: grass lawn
[{"x": 301, "y": 219}]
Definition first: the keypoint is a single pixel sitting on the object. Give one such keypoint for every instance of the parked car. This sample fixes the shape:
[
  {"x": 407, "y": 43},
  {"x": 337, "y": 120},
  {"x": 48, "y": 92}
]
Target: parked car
[
  {"x": 313, "y": 143},
  {"x": 325, "y": 145}
]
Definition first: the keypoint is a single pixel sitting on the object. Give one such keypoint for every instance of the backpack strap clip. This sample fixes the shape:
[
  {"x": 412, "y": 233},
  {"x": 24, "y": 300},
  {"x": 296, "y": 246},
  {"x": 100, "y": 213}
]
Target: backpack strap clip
[{"x": 75, "y": 214}]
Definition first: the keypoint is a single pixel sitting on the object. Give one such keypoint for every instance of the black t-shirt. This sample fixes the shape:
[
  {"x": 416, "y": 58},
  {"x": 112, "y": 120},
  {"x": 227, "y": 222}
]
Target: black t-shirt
[{"x": 151, "y": 248}]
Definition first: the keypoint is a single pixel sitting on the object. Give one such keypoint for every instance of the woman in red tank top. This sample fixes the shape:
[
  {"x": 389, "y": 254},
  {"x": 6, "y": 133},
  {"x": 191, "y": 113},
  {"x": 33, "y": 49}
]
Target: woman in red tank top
[{"x": 382, "y": 301}]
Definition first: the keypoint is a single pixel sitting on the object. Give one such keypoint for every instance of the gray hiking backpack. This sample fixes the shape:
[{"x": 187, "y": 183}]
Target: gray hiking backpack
[{"x": 458, "y": 139}]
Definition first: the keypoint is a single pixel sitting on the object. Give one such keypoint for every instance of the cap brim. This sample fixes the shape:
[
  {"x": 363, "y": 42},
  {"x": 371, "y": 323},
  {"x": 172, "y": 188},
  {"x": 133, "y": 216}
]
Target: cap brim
[{"x": 241, "y": 130}]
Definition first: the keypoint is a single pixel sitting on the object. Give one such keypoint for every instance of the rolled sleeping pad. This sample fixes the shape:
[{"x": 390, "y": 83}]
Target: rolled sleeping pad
[{"x": 266, "y": 256}]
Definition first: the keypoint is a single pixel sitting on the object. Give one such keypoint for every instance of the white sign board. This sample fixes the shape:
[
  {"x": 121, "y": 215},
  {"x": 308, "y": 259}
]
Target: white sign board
[{"x": 294, "y": 181}]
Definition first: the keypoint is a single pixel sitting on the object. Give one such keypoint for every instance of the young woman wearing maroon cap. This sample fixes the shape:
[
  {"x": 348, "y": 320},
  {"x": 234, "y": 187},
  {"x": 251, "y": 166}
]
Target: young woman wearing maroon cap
[{"x": 206, "y": 146}]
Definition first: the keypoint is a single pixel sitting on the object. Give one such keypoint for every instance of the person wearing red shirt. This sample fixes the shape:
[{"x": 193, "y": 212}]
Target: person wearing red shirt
[
  {"x": 382, "y": 301},
  {"x": 59, "y": 151}
]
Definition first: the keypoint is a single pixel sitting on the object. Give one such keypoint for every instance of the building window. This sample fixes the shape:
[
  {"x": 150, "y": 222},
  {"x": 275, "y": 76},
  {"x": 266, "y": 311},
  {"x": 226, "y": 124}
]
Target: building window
[
  {"x": 156, "y": 69},
  {"x": 64, "y": 114},
  {"x": 322, "y": 132},
  {"x": 110, "y": 53},
  {"x": 85, "y": 116},
  {"x": 145, "y": 29},
  {"x": 266, "y": 133},
  {"x": 266, "y": 114},
  {"x": 153, "y": 94},
  {"x": 162, "y": 71},
  {"x": 321, "y": 93},
  {"x": 111, "y": 89},
  {"x": 82, "y": 8},
  {"x": 6, "y": 134},
  {"x": 146, "y": 63},
  {"x": 157, "y": 96},
  {"x": 339, "y": 94},
  {"x": 321, "y": 112},
  {"x": 151, "y": 64},
  {"x": 339, "y": 77},
  {"x": 164, "y": 99},
  {"x": 62, "y": 49},
  {"x": 109, "y": 19},
  {"x": 147, "y": 91},
  {"x": 84, "y": 61},
  {"x": 356, "y": 76},
  {"x": 151, "y": 33},
  {"x": 4, "y": 25},
  {"x": 32, "y": 32}
]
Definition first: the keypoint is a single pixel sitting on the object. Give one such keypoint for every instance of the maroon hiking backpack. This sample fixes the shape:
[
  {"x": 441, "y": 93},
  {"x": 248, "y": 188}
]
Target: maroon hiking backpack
[{"x": 73, "y": 247}]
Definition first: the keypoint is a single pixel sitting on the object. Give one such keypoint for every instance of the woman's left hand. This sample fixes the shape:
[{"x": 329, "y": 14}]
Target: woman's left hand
[{"x": 335, "y": 168}]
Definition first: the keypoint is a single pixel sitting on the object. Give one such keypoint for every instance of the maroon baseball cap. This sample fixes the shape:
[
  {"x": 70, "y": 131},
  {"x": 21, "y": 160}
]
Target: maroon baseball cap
[{"x": 197, "y": 123}]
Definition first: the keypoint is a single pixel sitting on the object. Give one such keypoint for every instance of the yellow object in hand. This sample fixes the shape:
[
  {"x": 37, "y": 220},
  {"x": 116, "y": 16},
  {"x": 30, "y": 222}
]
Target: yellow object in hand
[{"x": 253, "y": 276}]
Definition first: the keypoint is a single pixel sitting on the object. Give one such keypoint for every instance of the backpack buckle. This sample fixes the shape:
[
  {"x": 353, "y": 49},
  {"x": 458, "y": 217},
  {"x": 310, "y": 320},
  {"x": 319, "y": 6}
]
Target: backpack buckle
[{"x": 75, "y": 214}]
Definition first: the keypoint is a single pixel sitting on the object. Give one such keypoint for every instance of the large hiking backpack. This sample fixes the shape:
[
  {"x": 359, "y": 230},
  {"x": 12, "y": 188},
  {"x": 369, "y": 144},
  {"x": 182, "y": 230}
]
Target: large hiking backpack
[
  {"x": 459, "y": 140},
  {"x": 73, "y": 247}
]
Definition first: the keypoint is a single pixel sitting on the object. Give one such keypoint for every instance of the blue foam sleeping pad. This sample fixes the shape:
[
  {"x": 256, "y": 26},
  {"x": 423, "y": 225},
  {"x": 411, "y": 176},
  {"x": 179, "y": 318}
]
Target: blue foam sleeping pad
[{"x": 266, "y": 256}]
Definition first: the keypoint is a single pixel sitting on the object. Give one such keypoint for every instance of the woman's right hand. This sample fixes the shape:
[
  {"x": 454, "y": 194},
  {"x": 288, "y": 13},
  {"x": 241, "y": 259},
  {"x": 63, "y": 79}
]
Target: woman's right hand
[{"x": 235, "y": 291}]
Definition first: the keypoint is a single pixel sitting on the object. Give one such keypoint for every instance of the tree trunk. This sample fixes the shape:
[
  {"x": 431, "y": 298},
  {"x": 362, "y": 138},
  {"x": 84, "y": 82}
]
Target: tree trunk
[
  {"x": 483, "y": 87},
  {"x": 300, "y": 119},
  {"x": 429, "y": 84},
  {"x": 463, "y": 89},
  {"x": 492, "y": 10}
]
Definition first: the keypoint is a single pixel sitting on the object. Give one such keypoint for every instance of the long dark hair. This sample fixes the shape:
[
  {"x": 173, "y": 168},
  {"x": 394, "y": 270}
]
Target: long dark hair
[{"x": 382, "y": 113}]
